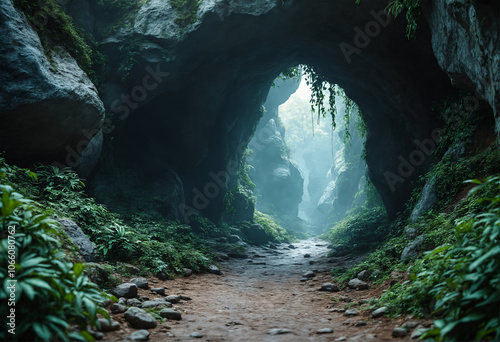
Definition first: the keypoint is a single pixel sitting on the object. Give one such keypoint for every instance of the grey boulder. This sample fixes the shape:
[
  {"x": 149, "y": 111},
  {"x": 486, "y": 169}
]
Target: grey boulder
[
  {"x": 140, "y": 319},
  {"x": 126, "y": 290}
]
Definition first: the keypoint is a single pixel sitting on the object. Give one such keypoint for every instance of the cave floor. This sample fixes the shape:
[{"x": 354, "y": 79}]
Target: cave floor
[{"x": 263, "y": 292}]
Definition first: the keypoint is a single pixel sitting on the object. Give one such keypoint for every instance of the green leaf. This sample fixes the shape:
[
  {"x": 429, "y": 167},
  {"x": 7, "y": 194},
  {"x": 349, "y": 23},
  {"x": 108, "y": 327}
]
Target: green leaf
[
  {"x": 78, "y": 269},
  {"x": 494, "y": 251}
]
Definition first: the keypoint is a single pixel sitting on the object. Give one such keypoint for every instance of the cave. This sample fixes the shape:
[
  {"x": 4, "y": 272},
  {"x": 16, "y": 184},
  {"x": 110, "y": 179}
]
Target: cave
[{"x": 209, "y": 104}]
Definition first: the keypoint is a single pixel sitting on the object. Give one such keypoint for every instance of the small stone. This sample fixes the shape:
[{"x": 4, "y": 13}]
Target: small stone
[
  {"x": 380, "y": 312},
  {"x": 279, "y": 331},
  {"x": 346, "y": 323},
  {"x": 196, "y": 334},
  {"x": 419, "y": 331},
  {"x": 159, "y": 290},
  {"x": 399, "y": 332},
  {"x": 143, "y": 298},
  {"x": 140, "y": 319},
  {"x": 341, "y": 310},
  {"x": 118, "y": 308},
  {"x": 291, "y": 246},
  {"x": 108, "y": 325},
  {"x": 171, "y": 314},
  {"x": 309, "y": 274},
  {"x": 214, "y": 270},
  {"x": 155, "y": 303},
  {"x": 134, "y": 302},
  {"x": 174, "y": 299},
  {"x": 96, "y": 334},
  {"x": 329, "y": 287},
  {"x": 141, "y": 283},
  {"x": 363, "y": 275},
  {"x": 122, "y": 301},
  {"x": 127, "y": 290},
  {"x": 188, "y": 272},
  {"x": 342, "y": 338},
  {"x": 312, "y": 262},
  {"x": 351, "y": 313},
  {"x": 304, "y": 279},
  {"x": 410, "y": 325},
  {"x": 361, "y": 324},
  {"x": 324, "y": 331},
  {"x": 307, "y": 255},
  {"x": 139, "y": 335},
  {"x": 357, "y": 284},
  {"x": 185, "y": 297}
]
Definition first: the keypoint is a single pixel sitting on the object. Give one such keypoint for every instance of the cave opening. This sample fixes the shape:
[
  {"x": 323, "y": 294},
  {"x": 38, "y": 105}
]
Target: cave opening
[{"x": 308, "y": 165}]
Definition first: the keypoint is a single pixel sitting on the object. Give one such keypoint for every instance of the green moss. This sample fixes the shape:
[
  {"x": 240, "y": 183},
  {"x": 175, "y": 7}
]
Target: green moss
[
  {"x": 55, "y": 28},
  {"x": 186, "y": 11},
  {"x": 272, "y": 227}
]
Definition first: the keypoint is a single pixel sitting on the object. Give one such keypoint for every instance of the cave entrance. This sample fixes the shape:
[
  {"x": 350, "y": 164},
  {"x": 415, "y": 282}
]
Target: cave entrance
[{"x": 308, "y": 171}]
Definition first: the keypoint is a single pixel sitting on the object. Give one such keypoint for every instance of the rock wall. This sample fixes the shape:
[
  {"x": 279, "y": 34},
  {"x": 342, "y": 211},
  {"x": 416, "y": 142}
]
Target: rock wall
[
  {"x": 49, "y": 109},
  {"x": 278, "y": 179},
  {"x": 466, "y": 43}
]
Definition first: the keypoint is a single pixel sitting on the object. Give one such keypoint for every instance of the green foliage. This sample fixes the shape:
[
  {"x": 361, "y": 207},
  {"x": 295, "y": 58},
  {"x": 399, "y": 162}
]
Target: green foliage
[
  {"x": 459, "y": 282},
  {"x": 360, "y": 231},
  {"x": 56, "y": 28},
  {"x": 129, "y": 51},
  {"x": 186, "y": 10},
  {"x": 59, "y": 290},
  {"x": 413, "y": 10},
  {"x": 58, "y": 192},
  {"x": 272, "y": 227}
]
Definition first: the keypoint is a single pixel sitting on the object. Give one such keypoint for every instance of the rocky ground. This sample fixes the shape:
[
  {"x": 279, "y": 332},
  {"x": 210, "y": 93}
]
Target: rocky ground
[{"x": 271, "y": 293}]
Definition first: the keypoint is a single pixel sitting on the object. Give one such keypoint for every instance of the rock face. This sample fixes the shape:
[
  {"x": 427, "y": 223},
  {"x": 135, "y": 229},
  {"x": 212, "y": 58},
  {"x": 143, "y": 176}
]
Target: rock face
[
  {"x": 412, "y": 249},
  {"x": 466, "y": 43},
  {"x": 49, "y": 110},
  {"x": 279, "y": 182},
  {"x": 126, "y": 290},
  {"x": 78, "y": 237},
  {"x": 426, "y": 200}
]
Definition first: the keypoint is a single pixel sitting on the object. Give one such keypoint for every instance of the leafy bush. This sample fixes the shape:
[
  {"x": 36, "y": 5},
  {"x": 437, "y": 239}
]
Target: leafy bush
[
  {"x": 459, "y": 282},
  {"x": 62, "y": 295},
  {"x": 272, "y": 227},
  {"x": 361, "y": 231}
]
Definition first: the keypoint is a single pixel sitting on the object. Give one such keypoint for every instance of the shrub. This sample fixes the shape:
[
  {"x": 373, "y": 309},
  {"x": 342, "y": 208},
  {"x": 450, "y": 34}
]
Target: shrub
[
  {"x": 272, "y": 227},
  {"x": 62, "y": 295},
  {"x": 361, "y": 231}
]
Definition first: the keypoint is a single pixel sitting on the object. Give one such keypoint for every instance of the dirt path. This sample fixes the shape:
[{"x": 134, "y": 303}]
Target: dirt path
[{"x": 265, "y": 292}]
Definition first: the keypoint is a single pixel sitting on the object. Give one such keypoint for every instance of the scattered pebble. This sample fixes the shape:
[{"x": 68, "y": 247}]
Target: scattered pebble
[
  {"x": 174, "y": 299},
  {"x": 399, "y": 332},
  {"x": 410, "y": 325},
  {"x": 361, "y": 323},
  {"x": 324, "y": 331},
  {"x": 346, "y": 323},
  {"x": 141, "y": 283},
  {"x": 108, "y": 325},
  {"x": 127, "y": 290},
  {"x": 380, "y": 312},
  {"x": 140, "y": 319},
  {"x": 279, "y": 331},
  {"x": 351, "y": 313},
  {"x": 133, "y": 302},
  {"x": 159, "y": 290},
  {"x": 357, "y": 284},
  {"x": 307, "y": 255},
  {"x": 196, "y": 334},
  {"x": 329, "y": 287},
  {"x": 118, "y": 308},
  {"x": 309, "y": 274},
  {"x": 171, "y": 314},
  {"x": 140, "y": 335},
  {"x": 342, "y": 338},
  {"x": 214, "y": 270}
]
